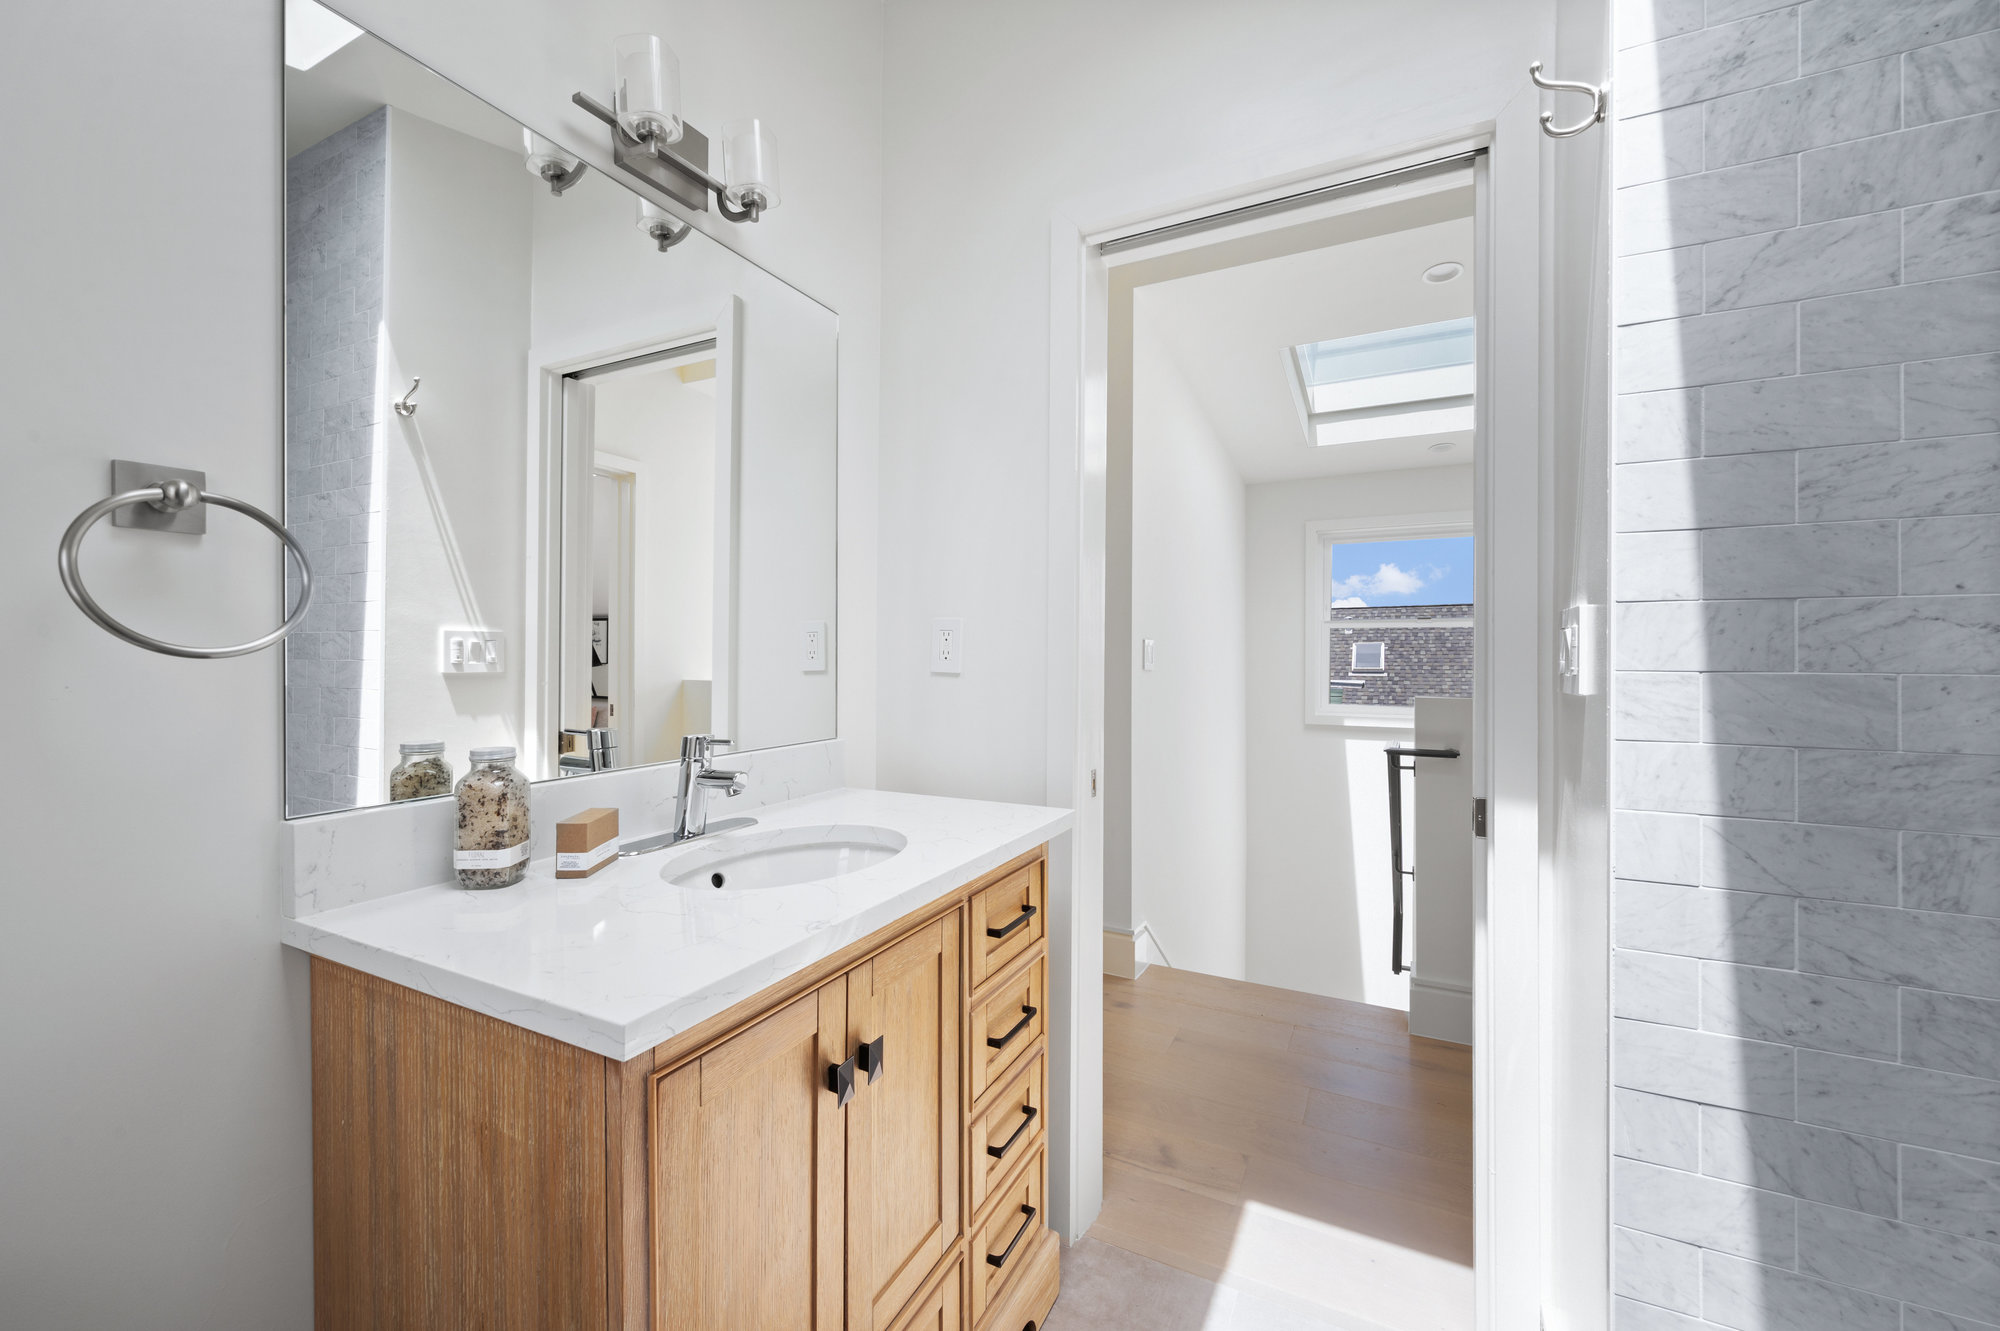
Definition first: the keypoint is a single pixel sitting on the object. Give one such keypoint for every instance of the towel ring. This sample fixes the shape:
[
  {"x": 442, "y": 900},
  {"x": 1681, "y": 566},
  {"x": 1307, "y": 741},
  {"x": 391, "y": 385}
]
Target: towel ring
[{"x": 172, "y": 497}]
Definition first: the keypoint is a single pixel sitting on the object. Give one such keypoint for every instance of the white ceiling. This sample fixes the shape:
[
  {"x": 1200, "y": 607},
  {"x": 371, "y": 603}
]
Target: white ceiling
[
  {"x": 367, "y": 73},
  {"x": 1226, "y": 333}
]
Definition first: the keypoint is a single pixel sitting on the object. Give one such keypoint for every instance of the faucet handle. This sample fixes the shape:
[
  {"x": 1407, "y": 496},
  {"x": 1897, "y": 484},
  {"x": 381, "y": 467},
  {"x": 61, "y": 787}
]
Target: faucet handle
[{"x": 699, "y": 748}]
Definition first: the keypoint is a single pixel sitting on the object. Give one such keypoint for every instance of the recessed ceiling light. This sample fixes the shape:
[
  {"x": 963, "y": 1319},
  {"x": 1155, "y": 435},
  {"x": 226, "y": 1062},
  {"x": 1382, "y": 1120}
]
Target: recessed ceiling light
[
  {"x": 1443, "y": 272},
  {"x": 1444, "y": 446}
]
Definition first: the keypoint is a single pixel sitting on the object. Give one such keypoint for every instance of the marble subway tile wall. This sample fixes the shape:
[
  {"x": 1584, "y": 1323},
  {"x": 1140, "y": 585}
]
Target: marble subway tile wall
[
  {"x": 1806, "y": 983},
  {"x": 335, "y": 237}
]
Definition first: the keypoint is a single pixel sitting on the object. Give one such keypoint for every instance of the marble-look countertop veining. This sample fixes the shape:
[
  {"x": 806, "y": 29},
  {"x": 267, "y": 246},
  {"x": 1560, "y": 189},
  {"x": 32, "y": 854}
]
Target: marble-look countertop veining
[{"x": 621, "y": 961}]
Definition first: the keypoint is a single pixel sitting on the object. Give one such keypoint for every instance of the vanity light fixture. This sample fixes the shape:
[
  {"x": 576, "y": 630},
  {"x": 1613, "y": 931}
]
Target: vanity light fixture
[
  {"x": 749, "y": 167},
  {"x": 662, "y": 225},
  {"x": 646, "y": 92},
  {"x": 651, "y": 141},
  {"x": 549, "y": 162}
]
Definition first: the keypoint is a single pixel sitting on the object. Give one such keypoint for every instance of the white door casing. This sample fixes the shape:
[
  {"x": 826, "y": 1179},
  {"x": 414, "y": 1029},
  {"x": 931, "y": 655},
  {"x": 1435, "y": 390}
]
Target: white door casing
[{"x": 1511, "y": 481}]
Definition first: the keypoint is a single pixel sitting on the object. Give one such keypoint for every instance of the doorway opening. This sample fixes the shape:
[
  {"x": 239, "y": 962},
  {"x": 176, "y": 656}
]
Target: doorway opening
[
  {"x": 641, "y": 438},
  {"x": 1291, "y": 547}
]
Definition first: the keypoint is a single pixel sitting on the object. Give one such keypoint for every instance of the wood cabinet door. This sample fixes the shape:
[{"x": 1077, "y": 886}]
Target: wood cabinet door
[
  {"x": 748, "y": 1154},
  {"x": 905, "y": 1123}
]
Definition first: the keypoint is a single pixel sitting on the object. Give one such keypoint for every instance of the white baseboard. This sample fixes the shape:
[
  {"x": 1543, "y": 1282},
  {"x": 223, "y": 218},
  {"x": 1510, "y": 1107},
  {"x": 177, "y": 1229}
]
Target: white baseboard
[
  {"x": 1120, "y": 954},
  {"x": 1127, "y": 953},
  {"x": 1440, "y": 1011}
]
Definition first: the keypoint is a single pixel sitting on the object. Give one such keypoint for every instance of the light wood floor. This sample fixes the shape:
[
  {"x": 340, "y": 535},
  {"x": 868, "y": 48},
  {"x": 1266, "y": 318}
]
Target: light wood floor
[{"x": 1288, "y": 1143}]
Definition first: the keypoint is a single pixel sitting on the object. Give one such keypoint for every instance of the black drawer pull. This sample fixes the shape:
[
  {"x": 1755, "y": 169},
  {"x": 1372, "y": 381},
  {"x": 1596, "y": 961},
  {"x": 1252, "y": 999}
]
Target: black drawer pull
[
  {"x": 840, "y": 1080},
  {"x": 1027, "y": 913},
  {"x": 1027, "y": 1015},
  {"x": 1001, "y": 1260},
  {"x": 999, "y": 1152}
]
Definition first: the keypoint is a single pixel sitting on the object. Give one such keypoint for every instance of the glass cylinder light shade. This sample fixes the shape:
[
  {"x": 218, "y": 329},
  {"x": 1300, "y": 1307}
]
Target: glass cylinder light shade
[
  {"x": 749, "y": 164},
  {"x": 665, "y": 229},
  {"x": 646, "y": 88},
  {"x": 652, "y": 217},
  {"x": 544, "y": 157}
]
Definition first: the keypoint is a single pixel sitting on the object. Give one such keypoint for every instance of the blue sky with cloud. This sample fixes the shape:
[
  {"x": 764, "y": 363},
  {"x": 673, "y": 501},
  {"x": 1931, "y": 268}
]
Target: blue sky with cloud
[{"x": 1427, "y": 572}]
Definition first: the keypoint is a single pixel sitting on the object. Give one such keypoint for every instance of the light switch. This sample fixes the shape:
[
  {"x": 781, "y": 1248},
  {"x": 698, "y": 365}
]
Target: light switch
[
  {"x": 1146, "y": 654},
  {"x": 812, "y": 644},
  {"x": 947, "y": 645},
  {"x": 463, "y": 651}
]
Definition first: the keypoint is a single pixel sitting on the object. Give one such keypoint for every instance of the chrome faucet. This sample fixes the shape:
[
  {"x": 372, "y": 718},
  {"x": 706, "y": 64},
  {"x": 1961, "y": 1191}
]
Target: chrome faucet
[{"x": 697, "y": 779}]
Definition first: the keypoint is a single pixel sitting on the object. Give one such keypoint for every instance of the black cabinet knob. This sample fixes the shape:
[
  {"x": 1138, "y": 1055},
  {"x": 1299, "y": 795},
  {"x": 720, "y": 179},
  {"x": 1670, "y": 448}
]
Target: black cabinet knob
[
  {"x": 840, "y": 1080},
  {"x": 870, "y": 1055}
]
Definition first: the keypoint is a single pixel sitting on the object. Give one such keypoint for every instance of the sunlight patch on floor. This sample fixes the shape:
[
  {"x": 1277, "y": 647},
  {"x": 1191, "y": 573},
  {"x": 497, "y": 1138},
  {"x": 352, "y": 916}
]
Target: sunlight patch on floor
[{"x": 1355, "y": 1279}]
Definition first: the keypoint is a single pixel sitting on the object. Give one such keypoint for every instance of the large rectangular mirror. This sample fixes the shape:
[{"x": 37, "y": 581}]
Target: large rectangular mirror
[{"x": 555, "y": 477}]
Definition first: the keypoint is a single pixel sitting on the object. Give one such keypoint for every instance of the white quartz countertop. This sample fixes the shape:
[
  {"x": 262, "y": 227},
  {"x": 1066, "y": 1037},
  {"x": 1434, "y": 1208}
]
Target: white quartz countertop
[{"x": 621, "y": 961}]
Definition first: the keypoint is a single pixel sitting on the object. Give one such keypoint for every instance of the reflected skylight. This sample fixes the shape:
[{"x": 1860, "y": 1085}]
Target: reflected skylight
[{"x": 1387, "y": 385}]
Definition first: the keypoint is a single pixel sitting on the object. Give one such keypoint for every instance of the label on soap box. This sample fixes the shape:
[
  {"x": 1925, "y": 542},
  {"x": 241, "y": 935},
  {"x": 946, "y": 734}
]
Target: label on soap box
[
  {"x": 489, "y": 859},
  {"x": 583, "y": 861}
]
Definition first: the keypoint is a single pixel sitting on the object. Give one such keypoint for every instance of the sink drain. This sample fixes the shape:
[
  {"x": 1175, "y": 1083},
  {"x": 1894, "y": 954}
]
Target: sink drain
[{"x": 715, "y": 880}]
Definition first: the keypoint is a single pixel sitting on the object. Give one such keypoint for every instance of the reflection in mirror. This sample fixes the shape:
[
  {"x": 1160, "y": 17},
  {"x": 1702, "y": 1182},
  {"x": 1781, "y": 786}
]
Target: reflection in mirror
[{"x": 567, "y": 472}]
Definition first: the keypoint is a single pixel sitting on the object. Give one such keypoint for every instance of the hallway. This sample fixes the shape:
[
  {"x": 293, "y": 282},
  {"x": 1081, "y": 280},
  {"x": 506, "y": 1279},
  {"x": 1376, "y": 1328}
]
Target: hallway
[{"x": 1274, "y": 1159}]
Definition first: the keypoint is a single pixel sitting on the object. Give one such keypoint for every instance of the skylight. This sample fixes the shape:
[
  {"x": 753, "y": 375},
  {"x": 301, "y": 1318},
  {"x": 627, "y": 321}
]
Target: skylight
[
  {"x": 313, "y": 32},
  {"x": 1388, "y": 385}
]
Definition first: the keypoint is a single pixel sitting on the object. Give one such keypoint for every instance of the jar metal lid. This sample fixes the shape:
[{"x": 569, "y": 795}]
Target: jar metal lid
[
  {"x": 428, "y": 746},
  {"x": 494, "y": 755}
]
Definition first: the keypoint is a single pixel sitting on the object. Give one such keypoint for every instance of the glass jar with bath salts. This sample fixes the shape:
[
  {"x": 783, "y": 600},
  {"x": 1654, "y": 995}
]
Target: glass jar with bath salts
[
  {"x": 492, "y": 822},
  {"x": 422, "y": 773}
]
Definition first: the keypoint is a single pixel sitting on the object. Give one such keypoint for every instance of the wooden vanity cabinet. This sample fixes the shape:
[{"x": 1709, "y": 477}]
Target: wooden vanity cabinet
[
  {"x": 468, "y": 1173},
  {"x": 747, "y": 1200},
  {"x": 905, "y": 1126}
]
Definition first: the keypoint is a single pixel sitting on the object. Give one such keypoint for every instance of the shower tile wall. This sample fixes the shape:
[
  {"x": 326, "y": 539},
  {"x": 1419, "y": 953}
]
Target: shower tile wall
[
  {"x": 1807, "y": 918},
  {"x": 335, "y": 234}
]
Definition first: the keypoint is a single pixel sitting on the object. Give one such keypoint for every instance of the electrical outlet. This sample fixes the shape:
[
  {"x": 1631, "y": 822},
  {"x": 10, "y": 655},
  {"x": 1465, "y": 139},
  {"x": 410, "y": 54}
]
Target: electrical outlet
[
  {"x": 471, "y": 651},
  {"x": 947, "y": 646},
  {"x": 812, "y": 643},
  {"x": 1146, "y": 654}
]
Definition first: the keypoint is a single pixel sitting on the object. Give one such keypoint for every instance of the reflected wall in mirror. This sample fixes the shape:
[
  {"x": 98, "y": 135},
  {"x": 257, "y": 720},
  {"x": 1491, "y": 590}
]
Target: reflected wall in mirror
[{"x": 552, "y": 476}]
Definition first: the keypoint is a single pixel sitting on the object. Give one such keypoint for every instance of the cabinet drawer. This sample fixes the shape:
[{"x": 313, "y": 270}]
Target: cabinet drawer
[
  {"x": 1007, "y": 1020},
  {"x": 1008, "y": 920},
  {"x": 1025, "y": 1302},
  {"x": 1010, "y": 1126},
  {"x": 942, "y": 1306},
  {"x": 1008, "y": 1237}
]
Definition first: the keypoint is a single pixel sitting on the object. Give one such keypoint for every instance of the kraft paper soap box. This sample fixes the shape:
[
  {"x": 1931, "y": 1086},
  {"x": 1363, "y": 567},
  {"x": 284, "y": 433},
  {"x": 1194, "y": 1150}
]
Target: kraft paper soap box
[{"x": 586, "y": 842}]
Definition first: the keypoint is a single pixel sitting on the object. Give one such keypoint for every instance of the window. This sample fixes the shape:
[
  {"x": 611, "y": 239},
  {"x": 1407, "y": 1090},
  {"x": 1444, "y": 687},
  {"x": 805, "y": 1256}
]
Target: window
[
  {"x": 1390, "y": 618},
  {"x": 1389, "y": 385}
]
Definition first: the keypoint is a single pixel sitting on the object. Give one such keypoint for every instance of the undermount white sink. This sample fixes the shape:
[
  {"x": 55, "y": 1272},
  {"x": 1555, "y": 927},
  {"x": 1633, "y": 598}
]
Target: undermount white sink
[{"x": 782, "y": 857}]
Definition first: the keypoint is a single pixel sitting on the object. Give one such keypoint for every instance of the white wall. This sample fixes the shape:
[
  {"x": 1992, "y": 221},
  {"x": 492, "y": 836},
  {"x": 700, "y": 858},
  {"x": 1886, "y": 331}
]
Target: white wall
[
  {"x": 1441, "y": 909},
  {"x": 456, "y": 313},
  {"x": 1319, "y": 902},
  {"x": 999, "y": 119},
  {"x": 154, "y": 1119},
  {"x": 1189, "y": 793}
]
